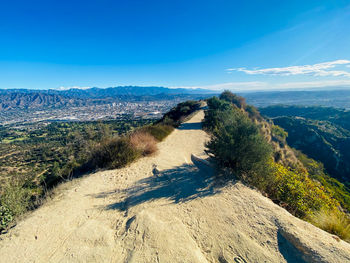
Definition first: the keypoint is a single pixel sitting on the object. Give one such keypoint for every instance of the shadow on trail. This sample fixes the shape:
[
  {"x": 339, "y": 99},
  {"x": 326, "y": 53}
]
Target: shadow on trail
[
  {"x": 181, "y": 184},
  {"x": 190, "y": 126},
  {"x": 290, "y": 253}
]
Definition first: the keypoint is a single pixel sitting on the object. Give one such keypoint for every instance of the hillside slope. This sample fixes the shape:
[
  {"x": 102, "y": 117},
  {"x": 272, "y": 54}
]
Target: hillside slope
[
  {"x": 321, "y": 133},
  {"x": 166, "y": 208},
  {"x": 320, "y": 140}
]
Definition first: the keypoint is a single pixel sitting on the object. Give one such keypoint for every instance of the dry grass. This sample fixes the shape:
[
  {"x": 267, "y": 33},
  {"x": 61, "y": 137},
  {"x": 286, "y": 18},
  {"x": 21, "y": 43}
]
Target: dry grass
[
  {"x": 334, "y": 222},
  {"x": 143, "y": 142},
  {"x": 112, "y": 154},
  {"x": 158, "y": 131}
]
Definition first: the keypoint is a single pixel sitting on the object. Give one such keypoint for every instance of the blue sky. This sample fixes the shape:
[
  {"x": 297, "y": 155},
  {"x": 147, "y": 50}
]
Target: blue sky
[{"x": 238, "y": 45}]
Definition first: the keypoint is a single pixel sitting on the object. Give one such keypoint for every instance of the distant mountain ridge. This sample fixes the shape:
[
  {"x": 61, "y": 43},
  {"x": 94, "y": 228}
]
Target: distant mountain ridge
[
  {"x": 75, "y": 96},
  {"x": 33, "y": 100},
  {"x": 112, "y": 91},
  {"x": 26, "y": 98},
  {"x": 127, "y": 90}
]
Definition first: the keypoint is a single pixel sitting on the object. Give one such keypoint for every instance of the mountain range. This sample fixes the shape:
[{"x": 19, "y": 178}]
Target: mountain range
[
  {"x": 12, "y": 99},
  {"x": 26, "y": 98}
]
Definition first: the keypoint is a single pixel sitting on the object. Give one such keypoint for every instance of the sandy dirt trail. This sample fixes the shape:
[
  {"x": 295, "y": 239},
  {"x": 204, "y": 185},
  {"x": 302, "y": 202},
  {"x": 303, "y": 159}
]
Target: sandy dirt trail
[{"x": 166, "y": 208}]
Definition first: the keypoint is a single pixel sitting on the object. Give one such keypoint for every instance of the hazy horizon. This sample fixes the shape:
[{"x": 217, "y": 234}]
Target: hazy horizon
[{"x": 239, "y": 91}]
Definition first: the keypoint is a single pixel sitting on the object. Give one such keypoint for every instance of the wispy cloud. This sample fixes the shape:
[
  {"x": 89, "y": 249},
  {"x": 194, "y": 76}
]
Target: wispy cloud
[
  {"x": 259, "y": 86},
  {"x": 229, "y": 85},
  {"x": 320, "y": 69},
  {"x": 329, "y": 84}
]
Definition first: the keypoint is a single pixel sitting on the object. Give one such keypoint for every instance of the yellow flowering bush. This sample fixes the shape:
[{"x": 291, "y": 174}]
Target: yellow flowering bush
[{"x": 299, "y": 194}]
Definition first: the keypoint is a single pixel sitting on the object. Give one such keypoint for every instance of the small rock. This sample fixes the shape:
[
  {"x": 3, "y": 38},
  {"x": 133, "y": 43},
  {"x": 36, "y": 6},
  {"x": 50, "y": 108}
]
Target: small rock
[{"x": 336, "y": 238}]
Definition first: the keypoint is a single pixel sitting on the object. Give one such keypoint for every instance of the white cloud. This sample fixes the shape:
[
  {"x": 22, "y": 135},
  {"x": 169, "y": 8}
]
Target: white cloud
[
  {"x": 259, "y": 86},
  {"x": 72, "y": 87},
  {"x": 229, "y": 85},
  {"x": 320, "y": 69},
  {"x": 330, "y": 84}
]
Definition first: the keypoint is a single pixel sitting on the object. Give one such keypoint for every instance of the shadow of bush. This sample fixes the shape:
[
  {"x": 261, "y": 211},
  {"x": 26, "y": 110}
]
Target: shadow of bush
[{"x": 180, "y": 184}]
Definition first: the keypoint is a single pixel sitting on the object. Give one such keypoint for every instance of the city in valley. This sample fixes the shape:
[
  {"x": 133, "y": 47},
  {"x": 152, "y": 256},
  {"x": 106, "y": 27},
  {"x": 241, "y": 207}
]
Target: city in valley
[{"x": 110, "y": 111}]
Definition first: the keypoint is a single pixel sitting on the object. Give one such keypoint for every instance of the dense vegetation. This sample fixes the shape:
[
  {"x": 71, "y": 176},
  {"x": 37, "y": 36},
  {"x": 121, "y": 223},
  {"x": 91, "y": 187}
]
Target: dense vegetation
[
  {"x": 33, "y": 161},
  {"x": 158, "y": 131},
  {"x": 236, "y": 142},
  {"x": 336, "y": 116},
  {"x": 321, "y": 133},
  {"x": 240, "y": 148},
  {"x": 177, "y": 115},
  {"x": 317, "y": 172}
]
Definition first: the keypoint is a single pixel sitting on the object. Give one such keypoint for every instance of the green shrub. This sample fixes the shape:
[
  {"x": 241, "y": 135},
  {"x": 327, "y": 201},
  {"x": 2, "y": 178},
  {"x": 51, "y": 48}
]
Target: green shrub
[
  {"x": 158, "y": 131},
  {"x": 113, "y": 153},
  {"x": 301, "y": 195},
  {"x": 15, "y": 197},
  {"x": 317, "y": 172},
  {"x": 68, "y": 170},
  {"x": 218, "y": 111},
  {"x": 309, "y": 200},
  {"x": 236, "y": 100},
  {"x": 167, "y": 121},
  {"x": 237, "y": 144},
  {"x": 279, "y": 133},
  {"x": 6, "y": 217},
  {"x": 253, "y": 113},
  {"x": 177, "y": 114}
]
